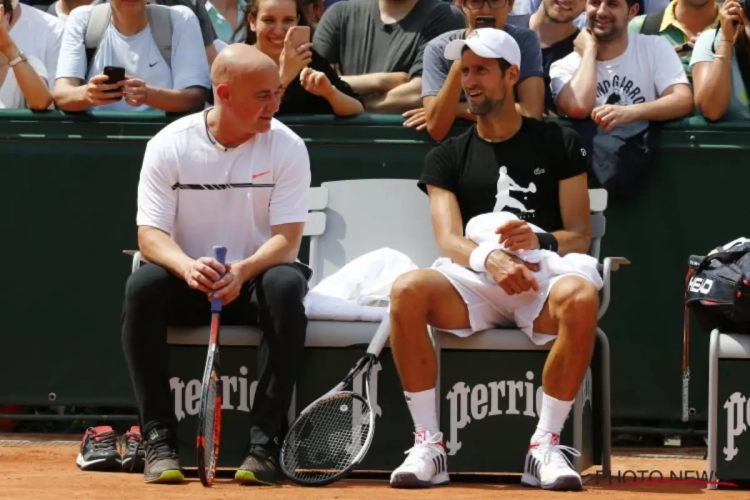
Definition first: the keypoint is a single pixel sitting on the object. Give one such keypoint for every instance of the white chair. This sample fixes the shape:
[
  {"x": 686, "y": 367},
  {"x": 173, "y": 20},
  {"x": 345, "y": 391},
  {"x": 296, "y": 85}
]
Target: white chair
[
  {"x": 724, "y": 346},
  {"x": 516, "y": 340}
]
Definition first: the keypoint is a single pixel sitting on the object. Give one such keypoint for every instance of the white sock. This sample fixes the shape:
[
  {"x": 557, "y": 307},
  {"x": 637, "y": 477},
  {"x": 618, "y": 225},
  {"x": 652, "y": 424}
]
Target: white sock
[
  {"x": 422, "y": 408},
  {"x": 552, "y": 418}
]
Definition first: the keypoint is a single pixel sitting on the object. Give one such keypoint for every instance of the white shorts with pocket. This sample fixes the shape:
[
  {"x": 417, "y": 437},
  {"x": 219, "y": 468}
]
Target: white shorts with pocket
[{"x": 490, "y": 307}]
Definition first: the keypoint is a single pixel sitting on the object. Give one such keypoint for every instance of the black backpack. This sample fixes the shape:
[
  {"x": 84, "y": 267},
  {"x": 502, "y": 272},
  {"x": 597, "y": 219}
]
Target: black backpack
[{"x": 718, "y": 288}]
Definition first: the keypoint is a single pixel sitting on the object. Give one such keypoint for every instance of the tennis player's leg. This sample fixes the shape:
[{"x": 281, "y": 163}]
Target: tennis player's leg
[
  {"x": 278, "y": 297},
  {"x": 155, "y": 299},
  {"x": 570, "y": 313},
  {"x": 419, "y": 298}
]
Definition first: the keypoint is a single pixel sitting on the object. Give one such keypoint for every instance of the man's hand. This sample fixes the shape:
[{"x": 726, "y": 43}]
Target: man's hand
[
  {"x": 228, "y": 288},
  {"x": 204, "y": 274},
  {"x": 134, "y": 91},
  {"x": 99, "y": 93},
  {"x": 416, "y": 118},
  {"x": 517, "y": 235},
  {"x": 511, "y": 273},
  {"x": 584, "y": 42},
  {"x": 610, "y": 116}
]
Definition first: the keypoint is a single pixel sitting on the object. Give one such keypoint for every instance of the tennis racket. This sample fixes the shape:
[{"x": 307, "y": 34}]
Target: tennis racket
[
  {"x": 209, "y": 413},
  {"x": 332, "y": 435}
]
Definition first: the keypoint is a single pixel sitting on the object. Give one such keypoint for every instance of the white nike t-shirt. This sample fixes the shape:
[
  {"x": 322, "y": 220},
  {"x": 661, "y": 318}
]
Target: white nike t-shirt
[
  {"x": 204, "y": 196},
  {"x": 138, "y": 54}
]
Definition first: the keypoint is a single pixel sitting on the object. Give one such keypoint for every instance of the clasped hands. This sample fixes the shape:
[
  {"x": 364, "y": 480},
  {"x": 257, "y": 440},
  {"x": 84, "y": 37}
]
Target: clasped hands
[
  {"x": 511, "y": 273},
  {"x": 205, "y": 275}
]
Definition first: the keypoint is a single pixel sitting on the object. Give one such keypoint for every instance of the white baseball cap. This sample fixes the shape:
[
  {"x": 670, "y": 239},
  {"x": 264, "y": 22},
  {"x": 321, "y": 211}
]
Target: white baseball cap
[{"x": 486, "y": 42}]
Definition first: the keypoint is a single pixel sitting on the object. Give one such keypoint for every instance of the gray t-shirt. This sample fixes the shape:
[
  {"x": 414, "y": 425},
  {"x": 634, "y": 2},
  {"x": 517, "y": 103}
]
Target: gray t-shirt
[
  {"x": 436, "y": 66},
  {"x": 352, "y": 35},
  {"x": 704, "y": 51}
]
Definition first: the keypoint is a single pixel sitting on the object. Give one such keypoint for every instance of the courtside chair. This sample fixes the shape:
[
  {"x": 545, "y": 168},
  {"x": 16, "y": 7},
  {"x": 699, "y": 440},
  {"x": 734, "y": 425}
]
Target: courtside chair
[
  {"x": 728, "y": 393},
  {"x": 521, "y": 378}
]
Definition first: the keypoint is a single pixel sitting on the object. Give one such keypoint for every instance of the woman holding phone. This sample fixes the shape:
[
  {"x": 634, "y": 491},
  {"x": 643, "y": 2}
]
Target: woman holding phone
[{"x": 309, "y": 85}]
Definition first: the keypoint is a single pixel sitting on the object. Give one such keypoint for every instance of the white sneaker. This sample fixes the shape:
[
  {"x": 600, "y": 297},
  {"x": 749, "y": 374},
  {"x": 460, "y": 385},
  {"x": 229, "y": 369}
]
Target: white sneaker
[
  {"x": 426, "y": 465},
  {"x": 548, "y": 468}
]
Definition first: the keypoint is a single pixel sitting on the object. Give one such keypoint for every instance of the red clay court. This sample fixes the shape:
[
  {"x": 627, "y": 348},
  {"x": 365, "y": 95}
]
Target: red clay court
[{"x": 43, "y": 467}]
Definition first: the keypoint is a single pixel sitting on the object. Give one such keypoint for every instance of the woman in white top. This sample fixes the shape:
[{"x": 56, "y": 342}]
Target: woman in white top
[{"x": 23, "y": 80}]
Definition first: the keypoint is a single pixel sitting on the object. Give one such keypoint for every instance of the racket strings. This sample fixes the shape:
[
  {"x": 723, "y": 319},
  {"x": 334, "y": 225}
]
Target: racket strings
[{"x": 327, "y": 440}]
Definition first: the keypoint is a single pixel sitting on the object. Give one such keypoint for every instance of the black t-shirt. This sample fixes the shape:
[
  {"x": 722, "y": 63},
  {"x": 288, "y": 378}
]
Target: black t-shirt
[
  {"x": 297, "y": 100},
  {"x": 520, "y": 175}
]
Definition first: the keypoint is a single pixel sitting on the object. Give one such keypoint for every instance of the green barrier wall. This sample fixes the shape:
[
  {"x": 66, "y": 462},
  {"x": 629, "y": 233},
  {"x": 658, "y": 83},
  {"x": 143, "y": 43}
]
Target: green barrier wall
[{"x": 69, "y": 205}]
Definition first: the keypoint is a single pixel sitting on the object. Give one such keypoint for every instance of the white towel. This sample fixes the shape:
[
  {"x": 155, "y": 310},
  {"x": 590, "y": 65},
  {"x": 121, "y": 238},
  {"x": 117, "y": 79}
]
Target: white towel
[
  {"x": 359, "y": 291},
  {"x": 481, "y": 230}
]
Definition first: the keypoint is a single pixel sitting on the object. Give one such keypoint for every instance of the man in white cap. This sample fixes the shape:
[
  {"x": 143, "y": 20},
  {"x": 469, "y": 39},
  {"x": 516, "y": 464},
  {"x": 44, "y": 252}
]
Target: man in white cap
[{"x": 476, "y": 287}]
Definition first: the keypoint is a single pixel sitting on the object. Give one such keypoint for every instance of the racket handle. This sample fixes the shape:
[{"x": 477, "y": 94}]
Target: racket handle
[{"x": 220, "y": 255}]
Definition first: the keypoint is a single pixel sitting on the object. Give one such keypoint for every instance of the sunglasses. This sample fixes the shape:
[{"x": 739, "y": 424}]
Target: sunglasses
[{"x": 492, "y": 4}]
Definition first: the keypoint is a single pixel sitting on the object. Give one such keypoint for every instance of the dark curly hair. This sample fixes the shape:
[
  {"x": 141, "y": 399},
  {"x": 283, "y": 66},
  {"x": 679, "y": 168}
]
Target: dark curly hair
[{"x": 251, "y": 9}]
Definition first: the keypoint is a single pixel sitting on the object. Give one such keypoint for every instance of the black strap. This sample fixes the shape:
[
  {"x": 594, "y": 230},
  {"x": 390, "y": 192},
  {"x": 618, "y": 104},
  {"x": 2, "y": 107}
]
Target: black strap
[{"x": 652, "y": 23}]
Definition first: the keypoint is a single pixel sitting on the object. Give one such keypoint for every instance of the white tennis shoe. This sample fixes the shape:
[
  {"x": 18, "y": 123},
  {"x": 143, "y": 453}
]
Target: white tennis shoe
[
  {"x": 548, "y": 468},
  {"x": 426, "y": 464}
]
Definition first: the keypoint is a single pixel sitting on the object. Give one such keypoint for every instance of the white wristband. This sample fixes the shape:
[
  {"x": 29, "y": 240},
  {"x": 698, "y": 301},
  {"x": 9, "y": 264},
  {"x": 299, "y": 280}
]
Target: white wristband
[{"x": 479, "y": 256}]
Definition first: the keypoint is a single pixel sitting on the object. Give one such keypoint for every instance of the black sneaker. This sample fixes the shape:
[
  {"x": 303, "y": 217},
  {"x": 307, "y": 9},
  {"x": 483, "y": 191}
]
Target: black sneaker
[
  {"x": 161, "y": 458},
  {"x": 261, "y": 466},
  {"x": 99, "y": 450},
  {"x": 134, "y": 458}
]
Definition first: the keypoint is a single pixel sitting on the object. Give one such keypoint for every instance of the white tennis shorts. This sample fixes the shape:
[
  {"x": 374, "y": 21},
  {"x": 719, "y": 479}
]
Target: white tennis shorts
[{"x": 490, "y": 307}]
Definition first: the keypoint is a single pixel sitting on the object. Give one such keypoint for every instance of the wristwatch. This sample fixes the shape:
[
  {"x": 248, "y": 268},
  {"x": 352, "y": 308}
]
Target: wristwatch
[{"x": 21, "y": 57}]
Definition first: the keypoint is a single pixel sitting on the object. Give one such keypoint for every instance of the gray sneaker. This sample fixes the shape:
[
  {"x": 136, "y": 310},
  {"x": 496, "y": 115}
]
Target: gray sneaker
[
  {"x": 261, "y": 466},
  {"x": 161, "y": 458}
]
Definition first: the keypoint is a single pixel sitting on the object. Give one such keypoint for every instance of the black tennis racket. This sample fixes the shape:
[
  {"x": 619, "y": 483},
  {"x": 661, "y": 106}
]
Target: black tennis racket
[
  {"x": 209, "y": 413},
  {"x": 332, "y": 435}
]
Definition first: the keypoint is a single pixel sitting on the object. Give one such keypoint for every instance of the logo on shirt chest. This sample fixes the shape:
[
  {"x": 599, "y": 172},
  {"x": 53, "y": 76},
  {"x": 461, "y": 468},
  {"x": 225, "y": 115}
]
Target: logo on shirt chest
[{"x": 506, "y": 184}]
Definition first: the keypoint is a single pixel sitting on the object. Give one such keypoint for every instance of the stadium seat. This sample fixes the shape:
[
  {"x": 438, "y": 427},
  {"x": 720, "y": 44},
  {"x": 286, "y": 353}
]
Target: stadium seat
[{"x": 728, "y": 371}]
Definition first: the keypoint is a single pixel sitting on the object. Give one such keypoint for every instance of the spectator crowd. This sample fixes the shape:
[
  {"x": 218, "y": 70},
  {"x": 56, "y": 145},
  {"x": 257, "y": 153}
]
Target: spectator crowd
[{"x": 624, "y": 64}]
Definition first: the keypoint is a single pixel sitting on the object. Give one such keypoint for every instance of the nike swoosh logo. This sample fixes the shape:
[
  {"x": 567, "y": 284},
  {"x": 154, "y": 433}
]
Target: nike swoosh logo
[
  {"x": 152, "y": 65},
  {"x": 255, "y": 176}
]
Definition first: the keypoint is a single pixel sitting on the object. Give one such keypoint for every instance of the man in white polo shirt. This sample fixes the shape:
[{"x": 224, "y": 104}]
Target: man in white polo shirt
[{"x": 234, "y": 176}]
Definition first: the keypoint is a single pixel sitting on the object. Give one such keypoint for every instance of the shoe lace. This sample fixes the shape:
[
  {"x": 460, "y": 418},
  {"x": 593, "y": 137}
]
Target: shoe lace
[
  {"x": 161, "y": 448},
  {"x": 555, "y": 454},
  {"x": 132, "y": 442},
  {"x": 423, "y": 448},
  {"x": 104, "y": 441}
]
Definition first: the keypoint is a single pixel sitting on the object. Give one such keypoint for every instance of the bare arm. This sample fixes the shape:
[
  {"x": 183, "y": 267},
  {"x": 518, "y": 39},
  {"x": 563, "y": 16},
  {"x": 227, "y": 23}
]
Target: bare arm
[
  {"x": 344, "y": 105},
  {"x": 398, "y": 100},
  {"x": 33, "y": 87},
  {"x": 70, "y": 94},
  {"x": 578, "y": 97},
  {"x": 576, "y": 216},
  {"x": 447, "y": 226},
  {"x": 375, "y": 83},
  {"x": 675, "y": 102},
  {"x": 175, "y": 101},
  {"x": 441, "y": 110},
  {"x": 211, "y": 54},
  {"x": 712, "y": 83},
  {"x": 281, "y": 248},
  {"x": 158, "y": 247},
  {"x": 531, "y": 97}
]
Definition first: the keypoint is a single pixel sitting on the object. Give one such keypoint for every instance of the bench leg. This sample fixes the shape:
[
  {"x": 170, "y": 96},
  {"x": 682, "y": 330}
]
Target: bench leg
[
  {"x": 606, "y": 404},
  {"x": 713, "y": 406}
]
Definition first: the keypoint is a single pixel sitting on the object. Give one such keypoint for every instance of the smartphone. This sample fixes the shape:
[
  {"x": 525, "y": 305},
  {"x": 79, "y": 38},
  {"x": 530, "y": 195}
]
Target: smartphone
[
  {"x": 116, "y": 74},
  {"x": 486, "y": 22},
  {"x": 299, "y": 35}
]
